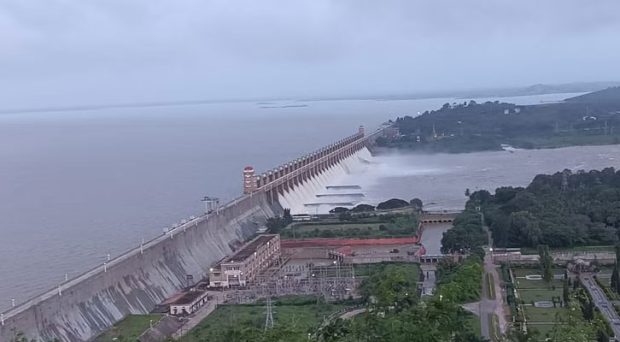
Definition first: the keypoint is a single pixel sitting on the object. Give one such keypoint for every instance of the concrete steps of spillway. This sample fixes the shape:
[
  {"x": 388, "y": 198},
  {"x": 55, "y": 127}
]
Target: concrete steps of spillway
[
  {"x": 342, "y": 194},
  {"x": 335, "y": 204},
  {"x": 344, "y": 187}
]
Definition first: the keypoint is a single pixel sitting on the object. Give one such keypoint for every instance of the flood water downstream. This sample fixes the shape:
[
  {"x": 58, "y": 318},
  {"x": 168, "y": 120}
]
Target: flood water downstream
[{"x": 440, "y": 180}]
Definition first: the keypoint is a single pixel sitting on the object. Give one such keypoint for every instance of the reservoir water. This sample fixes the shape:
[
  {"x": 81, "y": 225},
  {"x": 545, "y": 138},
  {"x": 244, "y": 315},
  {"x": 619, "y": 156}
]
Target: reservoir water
[{"x": 77, "y": 186}]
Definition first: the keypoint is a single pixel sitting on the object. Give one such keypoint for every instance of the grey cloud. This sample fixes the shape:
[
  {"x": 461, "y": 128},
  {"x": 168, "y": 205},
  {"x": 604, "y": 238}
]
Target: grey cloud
[{"x": 71, "y": 51}]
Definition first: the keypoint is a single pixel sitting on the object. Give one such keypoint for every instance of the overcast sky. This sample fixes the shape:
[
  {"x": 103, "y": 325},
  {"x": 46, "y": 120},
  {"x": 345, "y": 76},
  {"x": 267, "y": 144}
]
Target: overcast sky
[{"x": 69, "y": 52}]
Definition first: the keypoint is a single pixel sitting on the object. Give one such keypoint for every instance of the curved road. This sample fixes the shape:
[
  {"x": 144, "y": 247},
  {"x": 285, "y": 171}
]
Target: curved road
[{"x": 601, "y": 301}]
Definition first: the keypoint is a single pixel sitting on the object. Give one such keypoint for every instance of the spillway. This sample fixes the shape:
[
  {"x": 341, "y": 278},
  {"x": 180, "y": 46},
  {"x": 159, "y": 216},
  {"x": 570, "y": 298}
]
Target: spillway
[{"x": 321, "y": 193}]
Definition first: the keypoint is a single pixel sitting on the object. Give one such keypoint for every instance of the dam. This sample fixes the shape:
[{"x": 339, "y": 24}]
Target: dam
[{"x": 135, "y": 282}]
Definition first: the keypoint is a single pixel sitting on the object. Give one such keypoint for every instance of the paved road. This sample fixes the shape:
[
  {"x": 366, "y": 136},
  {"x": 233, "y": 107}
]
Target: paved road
[
  {"x": 601, "y": 301},
  {"x": 486, "y": 307},
  {"x": 490, "y": 306}
]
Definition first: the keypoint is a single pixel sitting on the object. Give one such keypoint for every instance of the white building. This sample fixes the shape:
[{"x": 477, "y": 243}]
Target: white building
[
  {"x": 246, "y": 263},
  {"x": 188, "y": 303}
]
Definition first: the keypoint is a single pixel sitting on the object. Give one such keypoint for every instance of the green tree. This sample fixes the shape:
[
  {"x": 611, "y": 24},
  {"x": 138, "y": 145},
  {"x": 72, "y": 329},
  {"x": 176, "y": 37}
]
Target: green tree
[
  {"x": 525, "y": 225},
  {"x": 569, "y": 327},
  {"x": 565, "y": 292},
  {"x": 416, "y": 203},
  {"x": 546, "y": 263},
  {"x": 615, "y": 279},
  {"x": 393, "y": 203},
  {"x": 286, "y": 216}
]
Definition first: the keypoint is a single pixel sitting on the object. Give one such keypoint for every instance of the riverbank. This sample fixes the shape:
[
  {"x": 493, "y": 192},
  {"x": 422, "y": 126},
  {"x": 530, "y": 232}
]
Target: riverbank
[{"x": 454, "y": 145}]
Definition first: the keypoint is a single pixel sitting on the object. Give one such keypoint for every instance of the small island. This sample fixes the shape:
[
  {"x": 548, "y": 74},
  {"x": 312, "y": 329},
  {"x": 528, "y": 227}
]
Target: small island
[{"x": 590, "y": 119}]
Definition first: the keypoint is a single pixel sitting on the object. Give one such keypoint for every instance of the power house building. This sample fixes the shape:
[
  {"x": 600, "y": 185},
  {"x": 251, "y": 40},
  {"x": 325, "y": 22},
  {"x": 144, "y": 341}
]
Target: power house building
[{"x": 246, "y": 263}]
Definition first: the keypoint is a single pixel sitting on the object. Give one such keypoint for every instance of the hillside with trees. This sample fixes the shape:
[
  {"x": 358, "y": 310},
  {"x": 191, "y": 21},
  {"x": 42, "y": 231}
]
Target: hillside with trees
[
  {"x": 560, "y": 210},
  {"x": 591, "y": 119}
]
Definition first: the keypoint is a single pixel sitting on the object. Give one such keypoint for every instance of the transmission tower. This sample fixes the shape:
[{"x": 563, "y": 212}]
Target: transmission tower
[{"x": 269, "y": 315}]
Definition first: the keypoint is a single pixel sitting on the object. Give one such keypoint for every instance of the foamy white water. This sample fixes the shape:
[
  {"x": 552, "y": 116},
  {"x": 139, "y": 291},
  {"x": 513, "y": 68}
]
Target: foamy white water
[{"x": 303, "y": 199}]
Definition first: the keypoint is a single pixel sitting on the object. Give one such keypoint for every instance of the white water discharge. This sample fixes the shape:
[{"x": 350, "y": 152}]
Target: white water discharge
[{"x": 303, "y": 198}]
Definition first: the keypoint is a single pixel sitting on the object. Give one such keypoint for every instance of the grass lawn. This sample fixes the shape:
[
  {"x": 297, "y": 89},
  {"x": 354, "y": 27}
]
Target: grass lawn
[
  {"x": 535, "y": 295},
  {"x": 542, "y": 315},
  {"x": 129, "y": 329},
  {"x": 522, "y": 272},
  {"x": 302, "y": 318},
  {"x": 522, "y": 283},
  {"x": 338, "y": 226},
  {"x": 544, "y": 330},
  {"x": 379, "y": 226}
]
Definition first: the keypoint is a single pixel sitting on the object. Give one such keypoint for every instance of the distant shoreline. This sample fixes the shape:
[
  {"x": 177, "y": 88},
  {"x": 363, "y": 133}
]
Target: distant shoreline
[{"x": 534, "y": 90}]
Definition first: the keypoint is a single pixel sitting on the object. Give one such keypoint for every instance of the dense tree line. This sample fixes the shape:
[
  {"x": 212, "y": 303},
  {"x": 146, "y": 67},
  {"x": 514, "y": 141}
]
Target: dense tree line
[
  {"x": 560, "y": 210},
  {"x": 460, "y": 282},
  {"x": 471, "y": 126},
  {"x": 466, "y": 235},
  {"x": 394, "y": 203}
]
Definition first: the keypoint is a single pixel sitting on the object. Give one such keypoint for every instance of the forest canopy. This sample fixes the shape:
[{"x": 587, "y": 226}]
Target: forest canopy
[{"x": 560, "y": 210}]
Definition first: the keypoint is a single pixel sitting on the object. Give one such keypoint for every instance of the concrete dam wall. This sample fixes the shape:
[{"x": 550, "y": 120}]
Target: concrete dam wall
[{"x": 135, "y": 282}]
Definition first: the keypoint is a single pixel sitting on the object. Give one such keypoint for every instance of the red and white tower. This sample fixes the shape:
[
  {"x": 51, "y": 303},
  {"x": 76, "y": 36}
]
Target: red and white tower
[{"x": 249, "y": 180}]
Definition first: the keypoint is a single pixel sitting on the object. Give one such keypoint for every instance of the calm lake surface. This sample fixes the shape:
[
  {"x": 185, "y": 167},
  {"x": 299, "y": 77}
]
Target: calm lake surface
[{"x": 76, "y": 186}]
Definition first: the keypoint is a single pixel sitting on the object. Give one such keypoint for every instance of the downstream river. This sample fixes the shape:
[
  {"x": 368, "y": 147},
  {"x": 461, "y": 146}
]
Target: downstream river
[
  {"x": 441, "y": 180},
  {"x": 77, "y": 186}
]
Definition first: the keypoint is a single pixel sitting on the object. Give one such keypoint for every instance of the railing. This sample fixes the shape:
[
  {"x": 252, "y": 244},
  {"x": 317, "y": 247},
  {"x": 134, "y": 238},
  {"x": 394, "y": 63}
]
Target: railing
[{"x": 294, "y": 173}]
